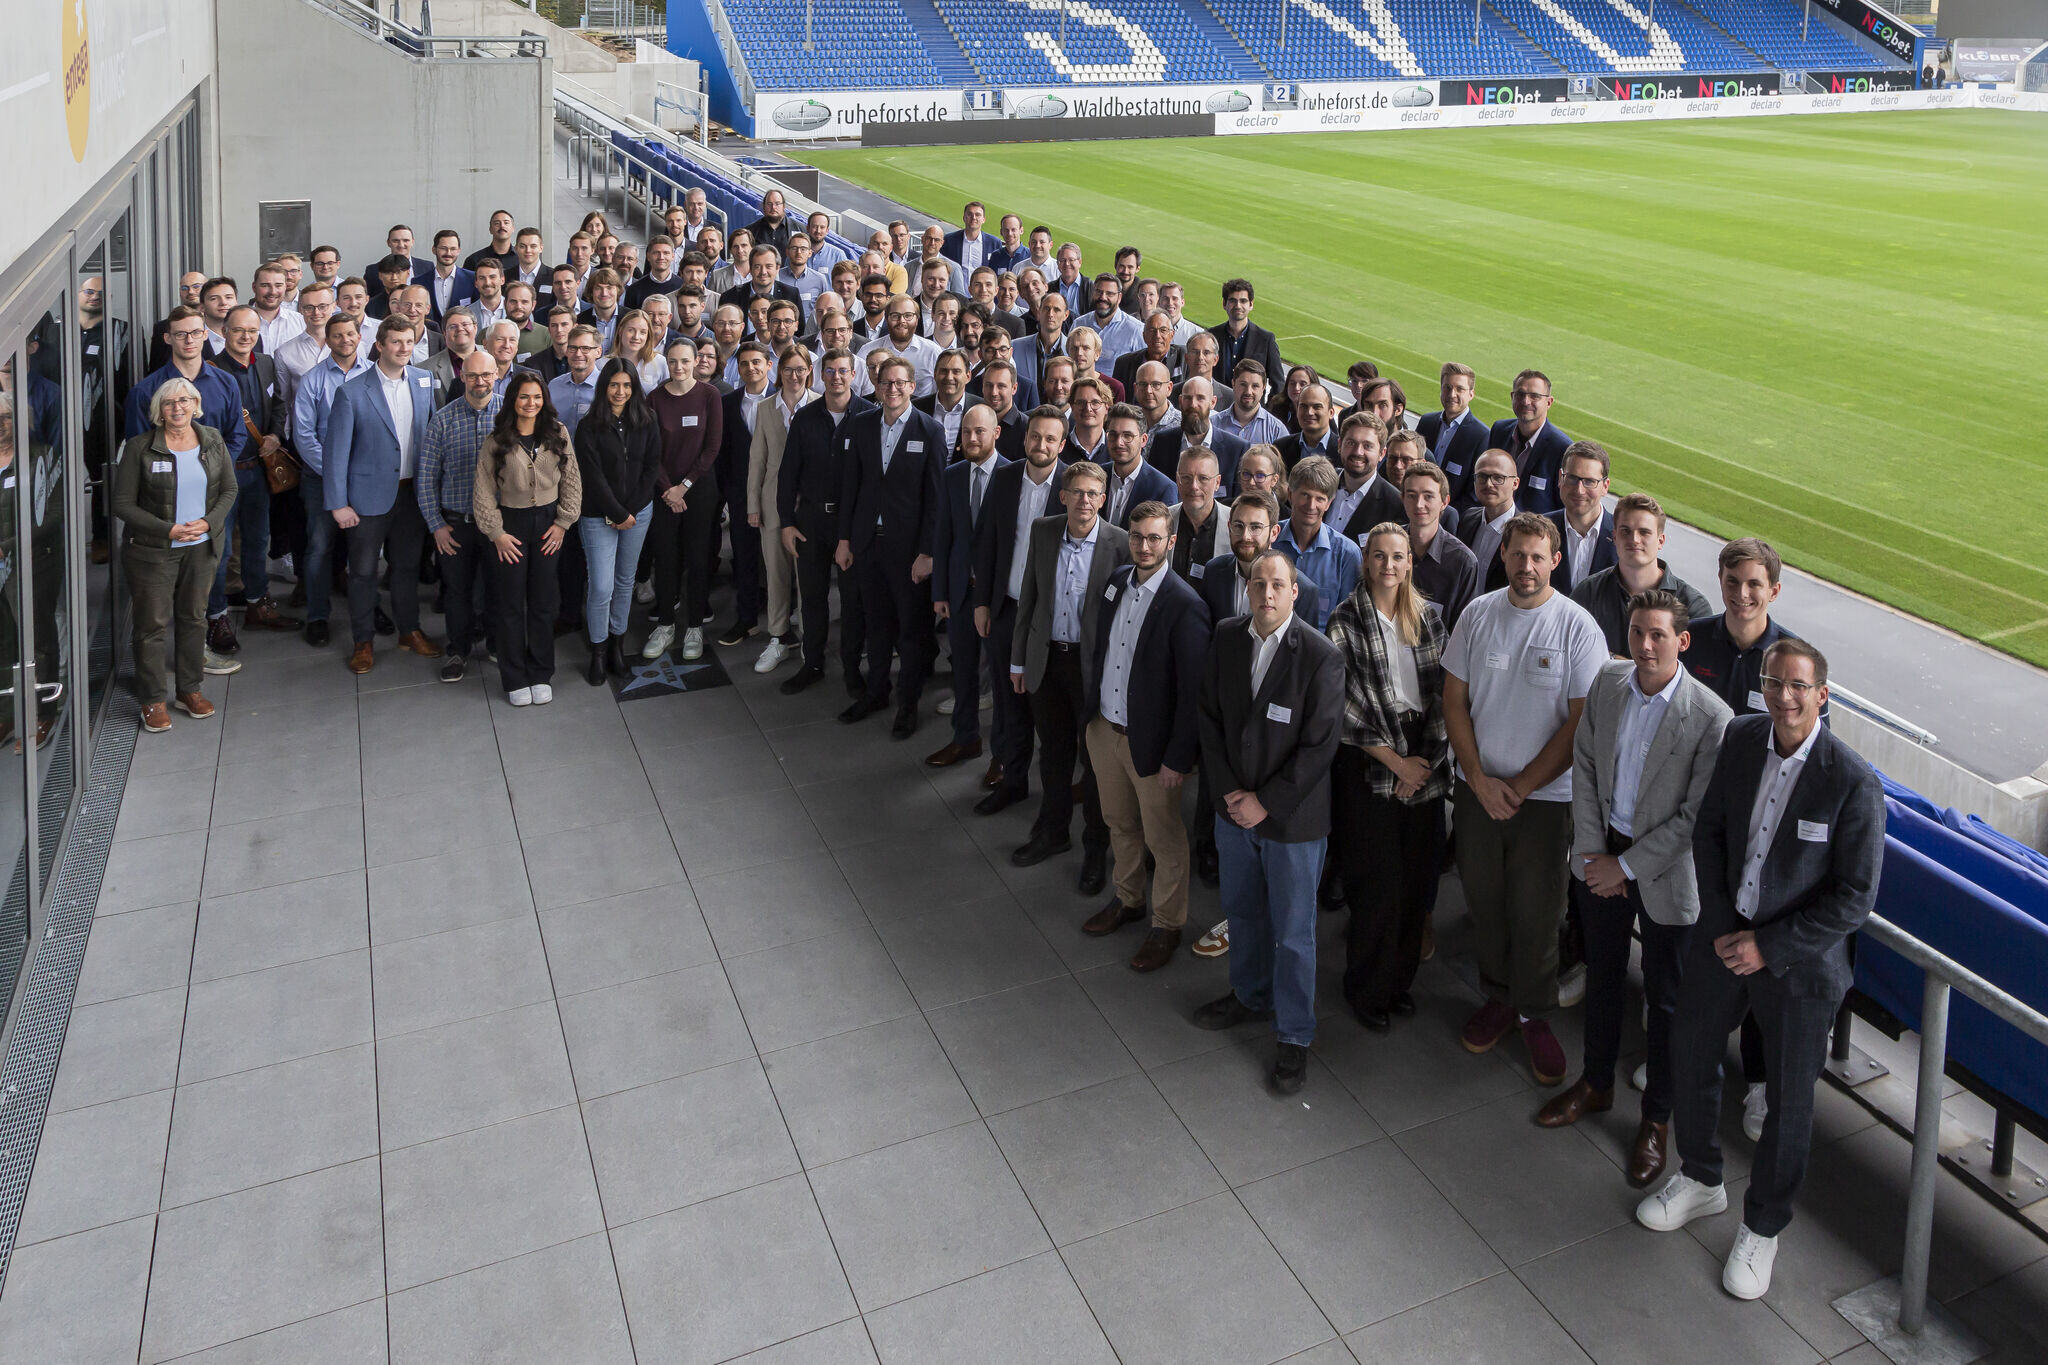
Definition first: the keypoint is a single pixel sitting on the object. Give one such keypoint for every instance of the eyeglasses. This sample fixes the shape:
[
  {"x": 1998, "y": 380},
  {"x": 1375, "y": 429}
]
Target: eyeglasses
[
  {"x": 1529, "y": 394},
  {"x": 1495, "y": 478},
  {"x": 1796, "y": 688},
  {"x": 1582, "y": 481}
]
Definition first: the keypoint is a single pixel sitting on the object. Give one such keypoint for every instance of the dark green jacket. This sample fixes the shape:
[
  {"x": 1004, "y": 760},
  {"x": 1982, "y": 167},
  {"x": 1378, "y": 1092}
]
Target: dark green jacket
[{"x": 146, "y": 497}]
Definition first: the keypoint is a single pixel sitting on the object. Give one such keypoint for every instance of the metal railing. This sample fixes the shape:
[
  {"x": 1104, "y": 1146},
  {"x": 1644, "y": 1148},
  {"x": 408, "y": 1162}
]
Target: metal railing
[
  {"x": 1863, "y": 706},
  {"x": 729, "y": 44},
  {"x": 695, "y": 103},
  {"x": 435, "y": 47}
]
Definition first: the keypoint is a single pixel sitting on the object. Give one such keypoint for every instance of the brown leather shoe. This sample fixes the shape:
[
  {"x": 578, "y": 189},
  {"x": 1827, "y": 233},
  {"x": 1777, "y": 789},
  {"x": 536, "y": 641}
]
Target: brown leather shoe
[
  {"x": 363, "y": 658},
  {"x": 420, "y": 643},
  {"x": 1156, "y": 951},
  {"x": 993, "y": 778},
  {"x": 1646, "y": 1157},
  {"x": 156, "y": 718},
  {"x": 1111, "y": 918},
  {"x": 1574, "y": 1104},
  {"x": 264, "y": 615},
  {"x": 194, "y": 705},
  {"x": 954, "y": 753}
]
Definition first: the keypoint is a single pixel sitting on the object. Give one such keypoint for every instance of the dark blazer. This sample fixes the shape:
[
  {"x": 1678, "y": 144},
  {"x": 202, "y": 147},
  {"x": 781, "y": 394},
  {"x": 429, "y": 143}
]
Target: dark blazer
[
  {"x": 1010, "y": 429},
  {"x": 618, "y": 466},
  {"x": 810, "y": 471},
  {"x": 1820, "y": 876},
  {"x": 463, "y": 292},
  {"x": 1025, "y": 400},
  {"x": 422, "y": 267},
  {"x": 268, "y": 411},
  {"x": 1147, "y": 485},
  {"x": 990, "y": 245},
  {"x": 1468, "y": 443},
  {"x": 998, "y": 540},
  {"x": 1166, "y": 671},
  {"x": 1493, "y": 574},
  {"x": 1009, "y": 322},
  {"x": 1259, "y": 345},
  {"x": 1219, "y": 591},
  {"x": 929, "y": 406},
  {"x": 1291, "y": 452},
  {"x": 1603, "y": 550},
  {"x": 1164, "y": 454},
  {"x": 1247, "y": 746},
  {"x": 958, "y": 532},
  {"x": 1125, "y": 369},
  {"x": 906, "y": 499},
  {"x": 1538, "y": 465},
  {"x": 1033, "y": 639},
  {"x": 740, "y": 295},
  {"x": 544, "y": 363},
  {"x": 1382, "y": 502}
]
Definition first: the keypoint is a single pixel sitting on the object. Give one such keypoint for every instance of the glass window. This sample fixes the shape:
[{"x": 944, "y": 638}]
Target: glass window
[
  {"x": 43, "y": 489},
  {"x": 14, "y": 925},
  {"x": 106, "y": 291}
]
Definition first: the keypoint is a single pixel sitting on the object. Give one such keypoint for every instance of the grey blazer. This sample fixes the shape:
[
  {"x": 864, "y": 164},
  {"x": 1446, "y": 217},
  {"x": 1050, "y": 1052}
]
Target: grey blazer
[
  {"x": 1668, "y": 792},
  {"x": 1033, "y": 638}
]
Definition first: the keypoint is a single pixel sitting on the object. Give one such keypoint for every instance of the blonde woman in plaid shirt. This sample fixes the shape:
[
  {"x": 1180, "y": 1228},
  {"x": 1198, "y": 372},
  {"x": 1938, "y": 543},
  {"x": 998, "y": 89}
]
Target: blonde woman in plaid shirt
[{"x": 1391, "y": 776}]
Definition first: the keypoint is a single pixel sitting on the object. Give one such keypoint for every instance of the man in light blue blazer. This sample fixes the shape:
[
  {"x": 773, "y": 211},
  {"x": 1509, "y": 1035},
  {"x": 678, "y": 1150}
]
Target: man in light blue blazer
[{"x": 375, "y": 433}]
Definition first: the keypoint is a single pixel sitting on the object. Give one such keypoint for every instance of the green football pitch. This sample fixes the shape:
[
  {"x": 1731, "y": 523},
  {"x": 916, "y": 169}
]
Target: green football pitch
[{"x": 1828, "y": 330}]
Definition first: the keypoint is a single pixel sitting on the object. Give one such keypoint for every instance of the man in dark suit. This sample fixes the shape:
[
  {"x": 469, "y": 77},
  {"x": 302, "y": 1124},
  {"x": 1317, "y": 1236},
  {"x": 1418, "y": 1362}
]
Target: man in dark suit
[
  {"x": 1363, "y": 499},
  {"x": 1142, "y": 743},
  {"x": 1483, "y": 525},
  {"x": 1316, "y": 436},
  {"x": 808, "y": 495},
  {"x": 756, "y": 368},
  {"x": 397, "y": 242},
  {"x": 1788, "y": 846},
  {"x": 1456, "y": 437},
  {"x": 970, "y": 247},
  {"x": 1066, "y": 573},
  {"x": 1445, "y": 571},
  {"x": 764, "y": 265},
  {"x": 449, "y": 286},
  {"x": 889, "y": 504},
  {"x": 1239, "y": 338},
  {"x": 1536, "y": 447},
  {"x": 1224, "y": 582},
  {"x": 1131, "y": 480},
  {"x": 1584, "y": 525},
  {"x": 1019, "y": 494},
  {"x": 967, "y": 506},
  {"x": 1200, "y": 520},
  {"x": 1158, "y": 333},
  {"x": 268, "y": 423},
  {"x": 1271, "y": 711},
  {"x": 1197, "y": 400}
]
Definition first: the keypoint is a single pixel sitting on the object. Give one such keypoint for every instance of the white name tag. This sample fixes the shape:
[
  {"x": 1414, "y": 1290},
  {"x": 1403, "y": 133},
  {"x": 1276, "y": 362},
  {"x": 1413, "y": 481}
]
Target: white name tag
[
  {"x": 1496, "y": 659},
  {"x": 1454, "y": 469},
  {"x": 1538, "y": 481},
  {"x": 156, "y": 467},
  {"x": 1756, "y": 701},
  {"x": 690, "y": 421},
  {"x": 914, "y": 445},
  {"x": 1813, "y": 831},
  {"x": 424, "y": 383},
  {"x": 1197, "y": 570},
  {"x": 1363, "y": 539},
  {"x": 1279, "y": 714},
  {"x": 1109, "y": 593},
  {"x": 93, "y": 349}
]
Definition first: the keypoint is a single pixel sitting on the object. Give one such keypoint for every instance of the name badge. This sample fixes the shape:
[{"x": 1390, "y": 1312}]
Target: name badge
[
  {"x": 1363, "y": 538},
  {"x": 1109, "y": 593},
  {"x": 1813, "y": 831},
  {"x": 1454, "y": 469},
  {"x": 1197, "y": 570},
  {"x": 1756, "y": 701},
  {"x": 7, "y": 482},
  {"x": 1496, "y": 659},
  {"x": 424, "y": 383},
  {"x": 914, "y": 445},
  {"x": 1538, "y": 481},
  {"x": 1278, "y": 714},
  {"x": 689, "y": 421},
  {"x": 93, "y": 349},
  {"x": 160, "y": 467}
]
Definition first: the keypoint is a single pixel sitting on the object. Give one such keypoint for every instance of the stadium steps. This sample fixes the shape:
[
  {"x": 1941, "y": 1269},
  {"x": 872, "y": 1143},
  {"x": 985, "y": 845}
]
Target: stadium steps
[
  {"x": 951, "y": 59},
  {"x": 1701, "y": 15},
  {"x": 1244, "y": 64},
  {"x": 1526, "y": 45}
]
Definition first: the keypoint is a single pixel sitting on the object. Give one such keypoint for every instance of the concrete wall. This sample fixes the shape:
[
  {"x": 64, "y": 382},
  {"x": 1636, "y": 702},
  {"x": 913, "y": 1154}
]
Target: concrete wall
[
  {"x": 2018, "y": 808},
  {"x": 370, "y": 135},
  {"x": 1994, "y": 18}
]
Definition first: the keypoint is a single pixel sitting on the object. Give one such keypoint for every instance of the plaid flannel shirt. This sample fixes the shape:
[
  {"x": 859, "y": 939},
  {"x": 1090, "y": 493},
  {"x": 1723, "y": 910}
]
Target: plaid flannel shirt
[{"x": 1369, "y": 716}]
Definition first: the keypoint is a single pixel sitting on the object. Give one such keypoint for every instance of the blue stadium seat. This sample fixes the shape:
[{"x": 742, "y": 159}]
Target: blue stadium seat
[
  {"x": 1147, "y": 41},
  {"x": 1772, "y": 32},
  {"x": 1596, "y": 36},
  {"x": 856, "y": 44}
]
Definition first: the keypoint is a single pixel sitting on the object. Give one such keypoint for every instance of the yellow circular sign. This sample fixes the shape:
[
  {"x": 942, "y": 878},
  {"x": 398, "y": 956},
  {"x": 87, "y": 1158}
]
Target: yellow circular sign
[{"x": 77, "y": 77}]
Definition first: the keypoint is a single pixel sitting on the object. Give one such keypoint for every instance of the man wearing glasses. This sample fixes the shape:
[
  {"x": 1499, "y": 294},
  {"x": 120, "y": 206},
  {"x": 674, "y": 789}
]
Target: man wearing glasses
[
  {"x": 1493, "y": 482},
  {"x": 900, "y": 338},
  {"x": 1584, "y": 522},
  {"x": 1536, "y": 447}
]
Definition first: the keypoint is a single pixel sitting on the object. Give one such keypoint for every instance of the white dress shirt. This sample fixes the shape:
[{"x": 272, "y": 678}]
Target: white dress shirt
[
  {"x": 1120, "y": 493},
  {"x": 280, "y": 329},
  {"x": 1071, "y": 582},
  {"x": 750, "y": 403},
  {"x": 1124, "y": 629},
  {"x": 970, "y": 251},
  {"x": 1773, "y": 791},
  {"x": 1031, "y": 501},
  {"x": 398, "y": 397},
  {"x": 444, "y": 292},
  {"x": 1578, "y": 550},
  {"x": 921, "y": 351},
  {"x": 1344, "y": 501},
  {"x": 949, "y": 418},
  {"x": 1263, "y": 649},
  {"x": 1407, "y": 682},
  {"x": 1640, "y": 717}
]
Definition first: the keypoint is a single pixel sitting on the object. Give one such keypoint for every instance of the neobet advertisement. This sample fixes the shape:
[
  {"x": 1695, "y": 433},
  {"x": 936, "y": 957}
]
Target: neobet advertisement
[
  {"x": 1749, "y": 85},
  {"x": 1880, "y": 28}
]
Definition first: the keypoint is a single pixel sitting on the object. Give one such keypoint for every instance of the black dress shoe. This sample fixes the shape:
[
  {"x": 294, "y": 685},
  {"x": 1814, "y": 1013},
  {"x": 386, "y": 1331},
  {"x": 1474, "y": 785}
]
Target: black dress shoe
[
  {"x": 385, "y": 625},
  {"x": 1290, "y": 1067},
  {"x": 1094, "y": 871},
  {"x": 1001, "y": 799},
  {"x": 737, "y": 633},
  {"x": 316, "y": 633},
  {"x": 1402, "y": 1004},
  {"x": 865, "y": 705},
  {"x": 856, "y": 687},
  {"x": 1206, "y": 864},
  {"x": 906, "y": 722},
  {"x": 1228, "y": 1011},
  {"x": 1379, "y": 1021},
  {"x": 1331, "y": 898},
  {"x": 801, "y": 679},
  {"x": 1040, "y": 847}
]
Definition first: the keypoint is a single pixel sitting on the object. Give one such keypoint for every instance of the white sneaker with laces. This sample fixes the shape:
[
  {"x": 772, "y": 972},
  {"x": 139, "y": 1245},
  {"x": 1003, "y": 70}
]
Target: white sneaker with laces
[
  {"x": 1678, "y": 1202},
  {"x": 945, "y": 708},
  {"x": 1748, "y": 1272},
  {"x": 693, "y": 643},
  {"x": 1639, "y": 1079},
  {"x": 1756, "y": 1107},
  {"x": 542, "y": 694},
  {"x": 771, "y": 657},
  {"x": 520, "y": 696},
  {"x": 219, "y": 665},
  {"x": 643, "y": 591},
  {"x": 1215, "y": 943},
  {"x": 1571, "y": 986},
  {"x": 658, "y": 642}
]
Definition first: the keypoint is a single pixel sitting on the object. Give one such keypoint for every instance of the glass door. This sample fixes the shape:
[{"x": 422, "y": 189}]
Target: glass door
[
  {"x": 108, "y": 290},
  {"x": 47, "y": 473},
  {"x": 17, "y": 418}
]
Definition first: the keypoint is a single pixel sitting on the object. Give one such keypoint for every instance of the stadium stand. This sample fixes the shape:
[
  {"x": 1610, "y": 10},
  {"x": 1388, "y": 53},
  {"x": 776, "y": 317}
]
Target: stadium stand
[
  {"x": 1595, "y": 36},
  {"x": 867, "y": 44},
  {"x": 1772, "y": 32},
  {"x": 1379, "y": 40},
  {"x": 1139, "y": 42}
]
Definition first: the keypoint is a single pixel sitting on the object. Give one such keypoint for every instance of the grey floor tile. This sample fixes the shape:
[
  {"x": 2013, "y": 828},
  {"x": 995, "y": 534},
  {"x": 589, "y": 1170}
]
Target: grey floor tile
[
  {"x": 770, "y": 904},
  {"x": 735, "y": 765},
  {"x": 145, "y": 872},
  {"x": 251, "y": 930},
  {"x": 580, "y": 795},
  {"x": 822, "y": 986},
  {"x": 398, "y": 767},
  {"x": 682, "y": 1141},
  {"x": 569, "y": 737},
  {"x": 347, "y": 1336},
  {"x": 470, "y": 1074},
  {"x": 1527, "y": 1190},
  {"x": 164, "y": 803},
  {"x": 965, "y": 951},
  {"x": 96, "y": 1166},
  {"x": 483, "y": 969},
  {"x": 925, "y": 1213},
  {"x": 448, "y": 891},
  {"x": 1029, "y": 1313},
  {"x": 1028, "y": 1044},
  {"x": 649, "y": 1030},
  {"x": 119, "y": 1048},
  {"x": 559, "y": 1305},
  {"x": 1331, "y": 1352},
  {"x": 1247, "y": 1130},
  {"x": 1420, "y": 1072},
  {"x": 134, "y": 954},
  {"x": 283, "y": 848},
  {"x": 873, "y": 805},
  {"x": 1367, "y": 1234},
  {"x": 624, "y": 938},
  {"x": 1154, "y": 1012},
  {"x": 745, "y": 831},
  {"x": 242, "y": 1022},
  {"x": 844, "y": 1343},
  {"x": 259, "y": 788},
  {"x": 320, "y": 730},
  {"x": 187, "y": 748},
  {"x": 854, "y": 1092},
  {"x": 603, "y": 861},
  {"x": 825, "y": 751},
  {"x": 247, "y": 1262},
  {"x": 687, "y": 718},
  {"x": 1250, "y": 1311},
  {"x": 1496, "y": 1319},
  {"x": 1102, "y": 1157},
  {"x": 1629, "y": 1293},
  {"x": 731, "y": 1275},
  {"x": 926, "y": 871},
  {"x": 2010, "y": 1314},
  {"x": 79, "y": 1298},
  {"x": 480, "y": 1197},
  {"x": 257, "y": 1126},
  {"x": 437, "y": 820}
]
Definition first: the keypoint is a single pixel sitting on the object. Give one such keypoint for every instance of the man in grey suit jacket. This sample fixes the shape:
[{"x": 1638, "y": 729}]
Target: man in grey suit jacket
[
  {"x": 1644, "y": 750},
  {"x": 1788, "y": 845},
  {"x": 1052, "y": 658}
]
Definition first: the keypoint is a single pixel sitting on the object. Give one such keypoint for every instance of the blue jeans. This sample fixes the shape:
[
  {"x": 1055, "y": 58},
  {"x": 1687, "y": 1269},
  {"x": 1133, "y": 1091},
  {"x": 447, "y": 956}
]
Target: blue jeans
[
  {"x": 314, "y": 573},
  {"x": 247, "y": 533},
  {"x": 613, "y": 557},
  {"x": 1269, "y": 892}
]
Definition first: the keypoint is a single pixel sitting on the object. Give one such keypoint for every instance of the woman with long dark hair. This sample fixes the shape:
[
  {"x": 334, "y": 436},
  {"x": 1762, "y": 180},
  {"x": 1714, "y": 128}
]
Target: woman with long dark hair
[
  {"x": 528, "y": 494},
  {"x": 618, "y": 452}
]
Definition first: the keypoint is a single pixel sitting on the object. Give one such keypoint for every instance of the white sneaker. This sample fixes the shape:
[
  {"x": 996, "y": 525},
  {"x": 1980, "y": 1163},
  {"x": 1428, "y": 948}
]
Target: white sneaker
[
  {"x": 945, "y": 708},
  {"x": 542, "y": 694},
  {"x": 693, "y": 643},
  {"x": 1639, "y": 1079},
  {"x": 643, "y": 591},
  {"x": 1215, "y": 943},
  {"x": 1681, "y": 1200},
  {"x": 988, "y": 699},
  {"x": 658, "y": 642},
  {"x": 1571, "y": 986},
  {"x": 771, "y": 657},
  {"x": 220, "y": 665},
  {"x": 520, "y": 696},
  {"x": 1748, "y": 1272},
  {"x": 1756, "y": 1106}
]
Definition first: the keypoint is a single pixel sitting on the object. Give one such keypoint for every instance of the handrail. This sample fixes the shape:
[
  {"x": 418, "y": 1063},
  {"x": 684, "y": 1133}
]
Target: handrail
[
  {"x": 435, "y": 47},
  {"x": 729, "y": 44},
  {"x": 697, "y": 103},
  {"x": 1925, "y": 738}
]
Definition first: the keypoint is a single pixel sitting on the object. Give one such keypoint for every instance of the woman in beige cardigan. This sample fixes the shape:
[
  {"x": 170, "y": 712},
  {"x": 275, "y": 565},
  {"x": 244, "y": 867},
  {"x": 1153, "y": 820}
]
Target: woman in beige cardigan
[
  {"x": 528, "y": 494},
  {"x": 764, "y": 471}
]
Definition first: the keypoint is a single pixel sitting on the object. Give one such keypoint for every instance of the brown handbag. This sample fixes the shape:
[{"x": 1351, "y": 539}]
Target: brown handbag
[{"x": 280, "y": 469}]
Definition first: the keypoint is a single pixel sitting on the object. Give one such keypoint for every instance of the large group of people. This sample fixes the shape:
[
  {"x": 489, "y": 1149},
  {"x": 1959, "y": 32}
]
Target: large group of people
[{"x": 1277, "y": 634}]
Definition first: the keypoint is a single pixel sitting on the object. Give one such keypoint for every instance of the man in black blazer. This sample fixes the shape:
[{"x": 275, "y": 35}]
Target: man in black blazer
[
  {"x": 889, "y": 502},
  {"x": 1149, "y": 647},
  {"x": 1131, "y": 480},
  {"x": 1585, "y": 527},
  {"x": 1363, "y": 499},
  {"x": 1197, "y": 400},
  {"x": 967, "y": 506},
  {"x": 1158, "y": 346},
  {"x": 1456, "y": 437},
  {"x": 1315, "y": 435},
  {"x": 1201, "y": 519},
  {"x": 1788, "y": 845},
  {"x": 764, "y": 264},
  {"x": 1239, "y": 338},
  {"x": 808, "y": 494},
  {"x": 736, "y": 438},
  {"x": 1271, "y": 711},
  {"x": 1483, "y": 526},
  {"x": 1536, "y": 447}
]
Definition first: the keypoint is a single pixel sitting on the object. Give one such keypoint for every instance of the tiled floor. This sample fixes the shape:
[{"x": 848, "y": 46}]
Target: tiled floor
[{"x": 414, "y": 1027}]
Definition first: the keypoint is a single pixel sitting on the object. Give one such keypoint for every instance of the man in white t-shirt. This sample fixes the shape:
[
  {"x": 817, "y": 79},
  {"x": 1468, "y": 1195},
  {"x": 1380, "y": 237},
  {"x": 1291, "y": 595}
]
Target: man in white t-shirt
[{"x": 1516, "y": 675}]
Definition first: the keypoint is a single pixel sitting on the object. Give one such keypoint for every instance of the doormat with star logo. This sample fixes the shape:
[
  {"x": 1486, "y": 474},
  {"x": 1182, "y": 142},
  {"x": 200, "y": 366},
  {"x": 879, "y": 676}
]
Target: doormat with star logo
[{"x": 669, "y": 675}]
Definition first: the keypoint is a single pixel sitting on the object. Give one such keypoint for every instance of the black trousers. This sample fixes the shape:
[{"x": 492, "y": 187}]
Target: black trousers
[
  {"x": 685, "y": 549},
  {"x": 1387, "y": 855},
  {"x": 1061, "y": 707},
  {"x": 818, "y": 523},
  {"x": 749, "y": 574},
  {"x": 899, "y": 614},
  {"x": 1010, "y": 727},
  {"x": 461, "y": 574},
  {"x": 398, "y": 533},
  {"x": 526, "y": 596},
  {"x": 1795, "y": 1012},
  {"x": 1608, "y": 920}
]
